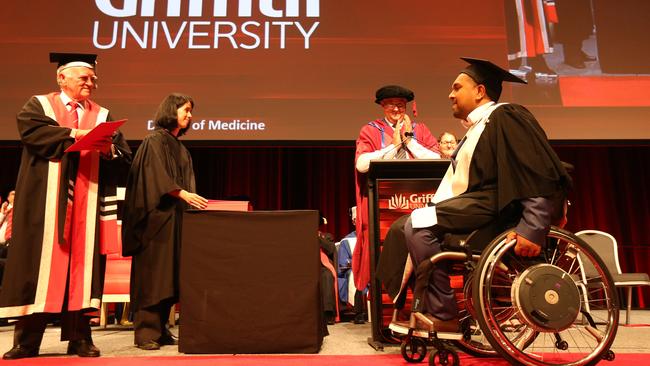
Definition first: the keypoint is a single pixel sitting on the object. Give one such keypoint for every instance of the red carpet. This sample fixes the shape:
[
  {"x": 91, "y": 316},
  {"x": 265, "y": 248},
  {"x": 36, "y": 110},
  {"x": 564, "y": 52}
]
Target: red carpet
[
  {"x": 605, "y": 91},
  {"x": 278, "y": 360}
]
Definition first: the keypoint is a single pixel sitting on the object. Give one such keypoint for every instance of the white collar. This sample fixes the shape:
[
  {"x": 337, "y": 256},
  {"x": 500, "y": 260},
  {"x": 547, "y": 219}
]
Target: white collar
[
  {"x": 389, "y": 122},
  {"x": 66, "y": 99},
  {"x": 479, "y": 112}
]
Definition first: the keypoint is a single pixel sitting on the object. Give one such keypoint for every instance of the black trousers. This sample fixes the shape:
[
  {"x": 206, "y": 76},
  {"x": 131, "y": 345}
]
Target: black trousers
[
  {"x": 150, "y": 323},
  {"x": 28, "y": 331}
]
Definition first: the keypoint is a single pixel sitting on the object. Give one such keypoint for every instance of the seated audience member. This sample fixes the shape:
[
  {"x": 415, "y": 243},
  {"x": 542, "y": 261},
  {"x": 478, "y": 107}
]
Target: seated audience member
[
  {"x": 344, "y": 251},
  {"x": 6, "y": 218},
  {"x": 505, "y": 169},
  {"x": 327, "y": 273},
  {"x": 348, "y": 293},
  {"x": 394, "y": 136},
  {"x": 448, "y": 142}
]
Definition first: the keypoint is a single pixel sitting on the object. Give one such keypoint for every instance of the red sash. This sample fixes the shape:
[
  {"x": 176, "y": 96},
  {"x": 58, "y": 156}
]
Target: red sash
[{"x": 80, "y": 220}]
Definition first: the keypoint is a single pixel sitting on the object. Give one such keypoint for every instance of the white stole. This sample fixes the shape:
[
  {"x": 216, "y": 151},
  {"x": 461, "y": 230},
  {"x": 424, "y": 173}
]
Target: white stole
[{"x": 455, "y": 180}]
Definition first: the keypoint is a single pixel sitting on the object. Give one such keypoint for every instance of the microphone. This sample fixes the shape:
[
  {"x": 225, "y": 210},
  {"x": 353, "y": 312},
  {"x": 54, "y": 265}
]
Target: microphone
[{"x": 411, "y": 135}]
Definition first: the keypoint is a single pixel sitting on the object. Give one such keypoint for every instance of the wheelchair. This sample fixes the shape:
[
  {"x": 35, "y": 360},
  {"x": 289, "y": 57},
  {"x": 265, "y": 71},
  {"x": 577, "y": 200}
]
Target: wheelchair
[{"x": 530, "y": 311}]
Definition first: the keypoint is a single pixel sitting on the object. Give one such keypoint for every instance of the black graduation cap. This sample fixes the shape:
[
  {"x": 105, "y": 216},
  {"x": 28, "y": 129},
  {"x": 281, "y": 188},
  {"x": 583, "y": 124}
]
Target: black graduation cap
[
  {"x": 393, "y": 91},
  {"x": 66, "y": 60},
  {"x": 486, "y": 73}
]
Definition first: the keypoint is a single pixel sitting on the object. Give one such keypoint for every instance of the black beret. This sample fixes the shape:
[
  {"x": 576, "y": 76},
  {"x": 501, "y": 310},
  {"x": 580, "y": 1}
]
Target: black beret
[{"x": 393, "y": 91}]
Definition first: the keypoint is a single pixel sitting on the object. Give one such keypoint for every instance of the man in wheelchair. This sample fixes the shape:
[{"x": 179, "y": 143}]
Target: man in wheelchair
[{"x": 502, "y": 170}]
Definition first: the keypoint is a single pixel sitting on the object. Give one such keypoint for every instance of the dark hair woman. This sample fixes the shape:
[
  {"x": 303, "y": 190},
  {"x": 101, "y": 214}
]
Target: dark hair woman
[{"x": 160, "y": 186}]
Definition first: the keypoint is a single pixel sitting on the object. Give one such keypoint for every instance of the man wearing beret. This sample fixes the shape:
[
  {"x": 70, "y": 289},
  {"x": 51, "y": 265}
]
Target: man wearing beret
[{"x": 394, "y": 136}]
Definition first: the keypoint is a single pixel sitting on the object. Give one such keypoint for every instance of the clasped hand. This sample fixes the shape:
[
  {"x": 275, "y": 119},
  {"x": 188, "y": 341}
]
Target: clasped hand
[{"x": 402, "y": 128}]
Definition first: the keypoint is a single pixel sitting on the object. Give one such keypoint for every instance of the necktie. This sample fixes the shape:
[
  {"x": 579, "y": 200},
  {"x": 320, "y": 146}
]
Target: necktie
[
  {"x": 74, "y": 117},
  {"x": 9, "y": 220},
  {"x": 401, "y": 153}
]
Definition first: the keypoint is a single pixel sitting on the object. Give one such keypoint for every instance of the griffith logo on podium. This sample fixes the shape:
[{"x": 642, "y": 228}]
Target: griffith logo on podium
[
  {"x": 398, "y": 202},
  {"x": 411, "y": 202}
]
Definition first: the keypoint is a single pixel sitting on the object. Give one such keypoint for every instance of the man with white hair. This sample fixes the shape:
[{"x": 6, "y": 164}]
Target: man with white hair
[{"x": 65, "y": 208}]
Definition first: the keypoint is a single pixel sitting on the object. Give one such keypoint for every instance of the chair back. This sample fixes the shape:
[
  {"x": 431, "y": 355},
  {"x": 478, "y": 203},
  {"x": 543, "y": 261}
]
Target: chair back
[
  {"x": 605, "y": 246},
  {"x": 117, "y": 278}
]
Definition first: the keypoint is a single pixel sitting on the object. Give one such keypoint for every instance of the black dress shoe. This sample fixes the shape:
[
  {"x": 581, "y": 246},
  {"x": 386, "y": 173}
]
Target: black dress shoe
[
  {"x": 83, "y": 348},
  {"x": 19, "y": 352},
  {"x": 168, "y": 339}
]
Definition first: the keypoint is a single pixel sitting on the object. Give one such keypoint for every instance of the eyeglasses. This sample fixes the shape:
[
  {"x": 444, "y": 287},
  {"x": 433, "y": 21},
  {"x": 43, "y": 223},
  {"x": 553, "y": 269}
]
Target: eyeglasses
[
  {"x": 400, "y": 106},
  {"x": 448, "y": 142},
  {"x": 85, "y": 79}
]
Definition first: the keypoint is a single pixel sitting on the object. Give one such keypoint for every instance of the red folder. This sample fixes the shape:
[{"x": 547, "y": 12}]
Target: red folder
[
  {"x": 99, "y": 133},
  {"x": 218, "y": 205}
]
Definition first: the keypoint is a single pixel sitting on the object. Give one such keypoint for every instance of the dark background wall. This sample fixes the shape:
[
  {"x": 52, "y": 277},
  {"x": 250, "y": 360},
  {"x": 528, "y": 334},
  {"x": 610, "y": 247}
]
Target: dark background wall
[{"x": 610, "y": 193}]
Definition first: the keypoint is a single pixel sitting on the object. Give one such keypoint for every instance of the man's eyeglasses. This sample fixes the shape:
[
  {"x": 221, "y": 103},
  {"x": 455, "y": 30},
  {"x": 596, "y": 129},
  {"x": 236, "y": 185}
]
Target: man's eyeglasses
[
  {"x": 401, "y": 107},
  {"x": 85, "y": 79},
  {"x": 448, "y": 142}
]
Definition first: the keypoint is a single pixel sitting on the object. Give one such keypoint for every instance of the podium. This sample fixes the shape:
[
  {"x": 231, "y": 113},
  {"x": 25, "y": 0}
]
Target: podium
[
  {"x": 395, "y": 188},
  {"x": 250, "y": 283}
]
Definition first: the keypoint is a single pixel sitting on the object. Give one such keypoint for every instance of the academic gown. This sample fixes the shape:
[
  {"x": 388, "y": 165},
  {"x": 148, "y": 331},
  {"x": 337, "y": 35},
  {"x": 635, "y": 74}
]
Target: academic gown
[
  {"x": 152, "y": 219},
  {"x": 35, "y": 276},
  {"x": 374, "y": 136},
  {"x": 512, "y": 161}
]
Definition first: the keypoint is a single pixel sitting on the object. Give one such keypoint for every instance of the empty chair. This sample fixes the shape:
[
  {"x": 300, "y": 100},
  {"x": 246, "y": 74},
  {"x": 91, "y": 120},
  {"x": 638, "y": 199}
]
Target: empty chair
[{"x": 605, "y": 245}]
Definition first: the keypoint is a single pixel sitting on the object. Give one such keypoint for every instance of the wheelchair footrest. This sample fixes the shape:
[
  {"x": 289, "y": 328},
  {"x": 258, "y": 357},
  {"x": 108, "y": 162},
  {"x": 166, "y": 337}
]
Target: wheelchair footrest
[{"x": 402, "y": 328}]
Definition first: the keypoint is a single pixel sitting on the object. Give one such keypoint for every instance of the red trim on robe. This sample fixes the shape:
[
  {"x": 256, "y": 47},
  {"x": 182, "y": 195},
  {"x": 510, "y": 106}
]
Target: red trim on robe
[
  {"x": 73, "y": 250},
  {"x": 325, "y": 261},
  {"x": 535, "y": 44}
]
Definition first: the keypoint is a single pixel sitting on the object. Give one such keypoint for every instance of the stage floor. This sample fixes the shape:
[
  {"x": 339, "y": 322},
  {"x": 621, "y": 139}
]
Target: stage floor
[{"x": 344, "y": 339}]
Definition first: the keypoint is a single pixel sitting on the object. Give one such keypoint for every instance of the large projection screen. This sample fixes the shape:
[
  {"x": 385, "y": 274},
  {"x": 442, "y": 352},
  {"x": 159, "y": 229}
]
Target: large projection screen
[{"x": 307, "y": 70}]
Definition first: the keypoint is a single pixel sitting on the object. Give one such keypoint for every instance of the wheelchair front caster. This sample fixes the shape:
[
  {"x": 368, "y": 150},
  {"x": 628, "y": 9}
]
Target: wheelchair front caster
[
  {"x": 562, "y": 345},
  {"x": 444, "y": 357},
  {"x": 609, "y": 355},
  {"x": 414, "y": 350}
]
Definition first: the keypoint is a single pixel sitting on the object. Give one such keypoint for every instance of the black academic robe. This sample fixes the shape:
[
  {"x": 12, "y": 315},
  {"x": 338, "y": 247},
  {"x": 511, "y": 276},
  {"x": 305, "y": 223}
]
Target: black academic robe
[
  {"x": 40, "y": 217},
  {"x": 512, "y": 161},
  {"x": 152, "y": 219}
]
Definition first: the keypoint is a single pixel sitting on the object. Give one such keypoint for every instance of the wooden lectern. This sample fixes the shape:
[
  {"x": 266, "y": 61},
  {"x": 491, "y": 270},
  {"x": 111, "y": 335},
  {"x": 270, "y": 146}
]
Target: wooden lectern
[{"x": 395, "y": 188}]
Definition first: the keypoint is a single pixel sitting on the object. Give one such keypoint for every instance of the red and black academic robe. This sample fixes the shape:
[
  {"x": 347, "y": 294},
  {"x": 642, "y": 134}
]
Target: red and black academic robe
[
  {"x": 64, "y": 204},
  {"x": 152, "y": 219},
  {"x": 374, "y": 136},
  {"x": 526, "y": 29}
]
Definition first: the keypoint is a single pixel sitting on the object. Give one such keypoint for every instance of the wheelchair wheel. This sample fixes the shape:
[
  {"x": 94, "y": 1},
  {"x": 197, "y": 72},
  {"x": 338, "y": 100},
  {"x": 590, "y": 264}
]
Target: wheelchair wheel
[
  {"x": 533, "y": 312},
  {"x": 414, "y": 350}
]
